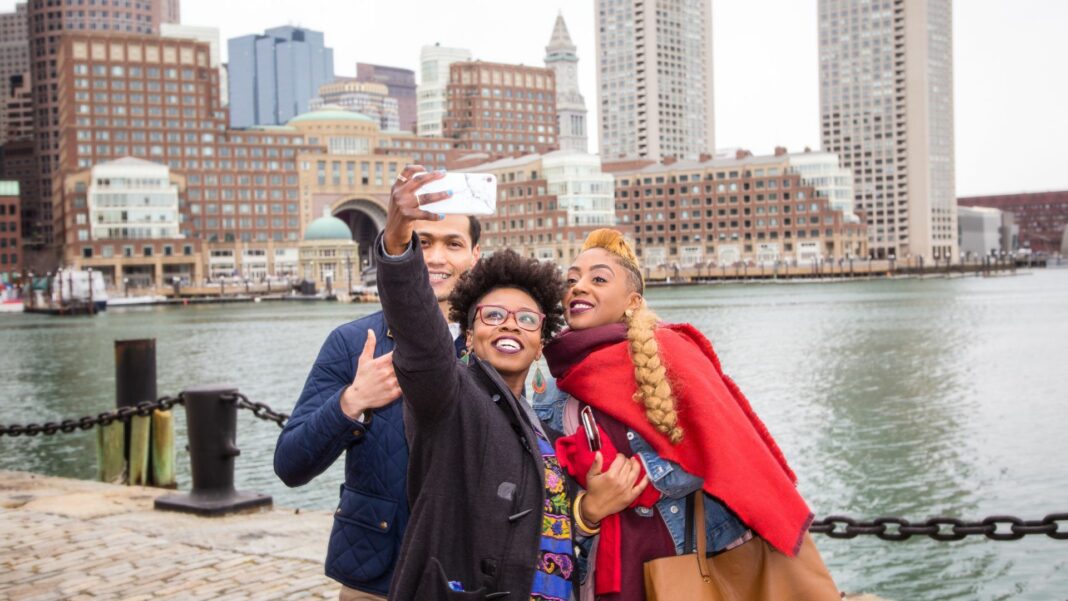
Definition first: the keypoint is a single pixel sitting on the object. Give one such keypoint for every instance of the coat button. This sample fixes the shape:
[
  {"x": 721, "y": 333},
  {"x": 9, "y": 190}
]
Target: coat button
[
  {"x": 674, "y": 508},
  {"x": 357, "y": 432},
  {"x": 630, "y": 435},
  {"x": 383, "y": 525}
]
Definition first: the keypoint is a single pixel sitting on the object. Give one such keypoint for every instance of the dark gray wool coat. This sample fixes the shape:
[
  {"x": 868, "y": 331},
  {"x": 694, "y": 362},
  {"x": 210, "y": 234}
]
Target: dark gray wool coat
[{"x": 475, "y": 476}]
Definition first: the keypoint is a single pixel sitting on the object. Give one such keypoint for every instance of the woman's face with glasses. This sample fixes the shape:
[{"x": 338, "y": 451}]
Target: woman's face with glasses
[{"x": 506, "y": 331}]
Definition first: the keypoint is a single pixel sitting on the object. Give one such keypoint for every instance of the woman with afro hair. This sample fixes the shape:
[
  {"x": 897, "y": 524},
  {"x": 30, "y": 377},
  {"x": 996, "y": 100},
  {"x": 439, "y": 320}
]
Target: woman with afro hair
[{"x": 490, "y": 504}]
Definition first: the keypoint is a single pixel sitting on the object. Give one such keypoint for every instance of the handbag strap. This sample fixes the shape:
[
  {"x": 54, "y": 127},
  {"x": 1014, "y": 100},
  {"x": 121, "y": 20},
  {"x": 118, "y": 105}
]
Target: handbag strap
[
  {"x": 701, "y": 535},
  {"x": 687, "y": 533}
]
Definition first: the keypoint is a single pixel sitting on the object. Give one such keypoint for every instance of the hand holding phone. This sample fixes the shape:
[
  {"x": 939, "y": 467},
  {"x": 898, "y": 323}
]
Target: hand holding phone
[
  {"x": 593, "y": 434},
  {"x": 472, "y": 194}
]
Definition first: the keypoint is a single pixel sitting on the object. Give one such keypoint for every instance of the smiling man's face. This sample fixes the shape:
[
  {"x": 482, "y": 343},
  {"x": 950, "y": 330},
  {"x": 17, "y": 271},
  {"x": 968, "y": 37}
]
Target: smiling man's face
[{"x": 447, "y": 251}]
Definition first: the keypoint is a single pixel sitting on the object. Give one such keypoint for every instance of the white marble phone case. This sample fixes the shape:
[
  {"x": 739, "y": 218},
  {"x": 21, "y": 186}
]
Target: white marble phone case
[{"x": 472, "y": 194}]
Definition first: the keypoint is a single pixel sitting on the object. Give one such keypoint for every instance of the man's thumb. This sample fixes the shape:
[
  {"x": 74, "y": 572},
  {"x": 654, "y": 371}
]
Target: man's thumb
[{"x": 368, "y": 347}]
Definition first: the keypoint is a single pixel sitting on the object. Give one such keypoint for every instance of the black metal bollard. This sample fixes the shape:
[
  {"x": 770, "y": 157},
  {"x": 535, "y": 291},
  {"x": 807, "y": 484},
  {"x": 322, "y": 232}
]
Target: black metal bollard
[
  {"x": 211, "y": 419},
  {"x": 135, "y": 371}
]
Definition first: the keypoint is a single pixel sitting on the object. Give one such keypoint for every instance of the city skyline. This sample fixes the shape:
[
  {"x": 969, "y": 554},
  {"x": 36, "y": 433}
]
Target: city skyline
[
  {"x": 1006, "y": 141},
  {"x": 1014, "y": 44}
]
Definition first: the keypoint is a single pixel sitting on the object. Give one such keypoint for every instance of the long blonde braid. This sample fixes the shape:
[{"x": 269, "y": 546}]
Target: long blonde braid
[{"x": 654, "y": 389}]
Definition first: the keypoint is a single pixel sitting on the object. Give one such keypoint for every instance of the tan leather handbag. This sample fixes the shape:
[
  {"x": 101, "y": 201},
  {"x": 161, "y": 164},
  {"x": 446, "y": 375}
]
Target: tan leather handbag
[{"x": 750, "y": 572}]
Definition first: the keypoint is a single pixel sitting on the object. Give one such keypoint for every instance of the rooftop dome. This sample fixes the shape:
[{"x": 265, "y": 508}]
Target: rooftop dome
[
  {"x": 331, "y": 113},
  {"x": 327, "y": 228}
]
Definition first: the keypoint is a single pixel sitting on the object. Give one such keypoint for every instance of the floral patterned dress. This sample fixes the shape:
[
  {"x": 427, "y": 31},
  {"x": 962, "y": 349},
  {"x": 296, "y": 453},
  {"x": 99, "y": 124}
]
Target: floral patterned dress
[{"x": 552, "y": 578}]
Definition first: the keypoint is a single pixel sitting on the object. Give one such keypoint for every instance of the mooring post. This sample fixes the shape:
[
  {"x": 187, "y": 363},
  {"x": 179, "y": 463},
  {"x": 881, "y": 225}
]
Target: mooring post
[
  {"x": 135, "y": 382},
  {"x": 135, "y": 371},
  {"x": 163, "y": 456},
  {"x": 211, "y": 419}
]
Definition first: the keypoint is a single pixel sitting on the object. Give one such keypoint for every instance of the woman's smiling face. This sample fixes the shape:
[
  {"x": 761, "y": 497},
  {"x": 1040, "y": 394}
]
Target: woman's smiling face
[
  {"x": 510, "y": 347},
  {"x": 599, "y": 290}
]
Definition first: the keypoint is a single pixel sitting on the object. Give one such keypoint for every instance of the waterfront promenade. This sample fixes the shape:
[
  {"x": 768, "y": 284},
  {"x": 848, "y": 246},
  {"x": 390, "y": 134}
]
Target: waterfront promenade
[{"x": 73, "y": 539}]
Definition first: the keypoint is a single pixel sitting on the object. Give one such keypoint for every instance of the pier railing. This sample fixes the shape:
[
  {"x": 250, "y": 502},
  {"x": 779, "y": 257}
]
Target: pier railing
[{"x": 135, "y": 442}]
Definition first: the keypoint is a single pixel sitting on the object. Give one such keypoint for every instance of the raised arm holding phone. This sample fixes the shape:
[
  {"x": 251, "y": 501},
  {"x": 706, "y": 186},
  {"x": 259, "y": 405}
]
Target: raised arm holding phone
[
  {"x": 491, "y": 508},
  {"x": 350, "y": 405}
]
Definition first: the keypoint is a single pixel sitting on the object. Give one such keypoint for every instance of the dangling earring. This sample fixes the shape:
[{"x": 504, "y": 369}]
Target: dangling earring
[
  {"x": 539, "y": 385},
  {"x": 465, "y": 358}
]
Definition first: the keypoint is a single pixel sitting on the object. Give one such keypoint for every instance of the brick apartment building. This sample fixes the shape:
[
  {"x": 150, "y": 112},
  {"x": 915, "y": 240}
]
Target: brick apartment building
[
  {"x": 502, "y": 108},
  {"x": 18, "y": 162},
  {"x": 1041, "y": 216},
  {"x": 547, "y": 204},
  {"x": 48, "y": 22},
  {"x": 10, "y": 232},
  {"x": 247, "y": 195},
  {"x": 729, "y": 210},
  {"x": 123, "y": 95}
]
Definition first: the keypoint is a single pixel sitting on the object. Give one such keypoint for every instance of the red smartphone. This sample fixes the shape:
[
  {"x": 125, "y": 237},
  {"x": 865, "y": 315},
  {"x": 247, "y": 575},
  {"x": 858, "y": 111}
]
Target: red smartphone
[{"x": 593, "y": 435}]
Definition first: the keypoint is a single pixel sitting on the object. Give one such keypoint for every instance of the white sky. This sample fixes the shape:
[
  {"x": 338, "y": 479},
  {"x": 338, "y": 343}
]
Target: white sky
[{"x": 1011, "y": 80}]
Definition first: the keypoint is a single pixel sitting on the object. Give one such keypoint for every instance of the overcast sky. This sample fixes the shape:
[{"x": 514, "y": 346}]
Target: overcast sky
[{"x": 1011, "y": 79}]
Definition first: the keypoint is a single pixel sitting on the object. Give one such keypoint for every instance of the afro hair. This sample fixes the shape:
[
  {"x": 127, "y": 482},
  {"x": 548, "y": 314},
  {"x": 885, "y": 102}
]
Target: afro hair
[{"x": 506, "y": 269}]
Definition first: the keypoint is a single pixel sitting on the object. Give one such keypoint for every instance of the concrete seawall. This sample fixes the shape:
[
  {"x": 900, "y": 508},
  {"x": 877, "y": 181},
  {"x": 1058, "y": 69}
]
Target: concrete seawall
[{"x": 79, "y": 540}]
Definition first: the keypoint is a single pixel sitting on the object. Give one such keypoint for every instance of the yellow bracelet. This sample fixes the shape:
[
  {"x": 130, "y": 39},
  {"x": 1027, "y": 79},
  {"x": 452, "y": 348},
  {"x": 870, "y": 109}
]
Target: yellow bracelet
[{"x": 577, "y": 512}]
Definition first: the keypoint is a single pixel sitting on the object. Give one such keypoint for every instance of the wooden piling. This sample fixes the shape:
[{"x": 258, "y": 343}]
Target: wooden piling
[
  {"x": 163, "y": 456},
  {"x": 139, "y": 441},
  {"x": 111, "y": 464}
]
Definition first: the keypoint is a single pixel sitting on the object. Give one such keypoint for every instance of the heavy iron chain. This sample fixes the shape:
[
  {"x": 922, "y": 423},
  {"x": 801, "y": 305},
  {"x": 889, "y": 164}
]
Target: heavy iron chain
[
  {"x": 144, "y": 408},
  {"x": 997, "y": 527},
  {"x": 260, "y": 410}
]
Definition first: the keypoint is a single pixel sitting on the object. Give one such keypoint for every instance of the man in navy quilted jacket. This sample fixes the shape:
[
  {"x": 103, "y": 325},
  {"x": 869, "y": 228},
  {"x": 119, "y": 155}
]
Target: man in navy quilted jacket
[{"x": 349, "y": 404}]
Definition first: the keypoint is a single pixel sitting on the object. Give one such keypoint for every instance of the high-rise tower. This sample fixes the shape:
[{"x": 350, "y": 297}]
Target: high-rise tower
[
  {"x": 434, "y": 79},
  {"x": 560, "y": 56},
  {"x": 654, "y": 78},
  {"x": 49, "y": 21},
  {"x": 274, "y": 76},
  {"x": 886, "y": 109},
  {"x": 14, "y": 57}
]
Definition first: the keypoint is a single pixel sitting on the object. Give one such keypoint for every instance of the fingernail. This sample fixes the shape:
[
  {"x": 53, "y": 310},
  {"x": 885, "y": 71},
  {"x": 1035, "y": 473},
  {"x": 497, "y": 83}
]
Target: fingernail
[
  {"x": 441, "y": 215},
  {"x": 450, "y": 192}
]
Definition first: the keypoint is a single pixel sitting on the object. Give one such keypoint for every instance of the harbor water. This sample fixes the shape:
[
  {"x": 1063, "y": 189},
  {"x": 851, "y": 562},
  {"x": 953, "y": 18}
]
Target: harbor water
[{"x": 909, "y": 397}]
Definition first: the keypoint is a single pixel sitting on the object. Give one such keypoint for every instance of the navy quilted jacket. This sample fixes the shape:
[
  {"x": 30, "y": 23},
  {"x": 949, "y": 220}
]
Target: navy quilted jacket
[{"x": 373, "y": 509}]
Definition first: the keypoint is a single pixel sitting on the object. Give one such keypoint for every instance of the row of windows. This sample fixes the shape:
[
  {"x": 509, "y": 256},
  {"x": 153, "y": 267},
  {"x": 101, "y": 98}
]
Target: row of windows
[
  {"x": 98, "y": 70},
  {"x": 244, "y": 208},
  {"x": 107, "y": 251},
  {"x": 246, "y": 223}
]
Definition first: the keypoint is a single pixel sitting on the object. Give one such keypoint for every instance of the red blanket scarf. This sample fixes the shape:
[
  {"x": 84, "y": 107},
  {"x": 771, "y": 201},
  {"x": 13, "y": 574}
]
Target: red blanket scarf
[{"x": 725, "y": 443}]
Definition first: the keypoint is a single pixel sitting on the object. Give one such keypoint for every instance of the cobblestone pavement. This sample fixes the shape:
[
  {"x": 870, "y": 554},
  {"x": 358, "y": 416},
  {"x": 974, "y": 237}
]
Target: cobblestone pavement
[
  {"x": 77, "y": 540},
  {"x": 70, "y": 539}
]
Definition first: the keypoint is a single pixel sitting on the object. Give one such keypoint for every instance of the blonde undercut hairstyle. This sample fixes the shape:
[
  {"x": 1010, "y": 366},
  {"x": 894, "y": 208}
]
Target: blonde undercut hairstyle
[{"x": 654, "y": 388}]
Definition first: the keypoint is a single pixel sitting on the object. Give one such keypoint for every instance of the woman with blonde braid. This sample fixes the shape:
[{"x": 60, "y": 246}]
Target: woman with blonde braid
[{"x": 657, "y": 393}]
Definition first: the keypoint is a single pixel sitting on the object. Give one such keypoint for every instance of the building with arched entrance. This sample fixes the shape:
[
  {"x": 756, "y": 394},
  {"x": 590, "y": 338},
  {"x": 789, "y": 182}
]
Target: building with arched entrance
[{"x": 347, "y": 179}]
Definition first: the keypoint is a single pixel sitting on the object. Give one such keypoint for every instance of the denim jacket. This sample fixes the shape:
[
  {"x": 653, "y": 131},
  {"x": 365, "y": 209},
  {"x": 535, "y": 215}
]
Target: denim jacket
[{"x": 721, "y": 525}]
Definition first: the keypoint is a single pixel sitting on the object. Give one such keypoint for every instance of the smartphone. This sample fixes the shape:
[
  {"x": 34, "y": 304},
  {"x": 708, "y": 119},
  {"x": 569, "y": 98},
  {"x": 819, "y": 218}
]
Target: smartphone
[
  {"x": 472, "y": 194},
  {"x": 593, "y": 435}
]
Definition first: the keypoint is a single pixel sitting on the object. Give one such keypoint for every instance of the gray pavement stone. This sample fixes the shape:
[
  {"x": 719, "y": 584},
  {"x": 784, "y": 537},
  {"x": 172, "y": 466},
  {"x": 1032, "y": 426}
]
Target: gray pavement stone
[{"x": 70, "y": 539}]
